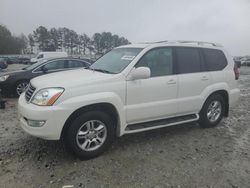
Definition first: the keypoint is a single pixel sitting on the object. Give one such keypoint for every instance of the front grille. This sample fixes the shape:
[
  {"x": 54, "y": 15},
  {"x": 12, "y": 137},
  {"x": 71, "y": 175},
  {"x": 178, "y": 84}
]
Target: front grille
[{"x": 29, "y": 92}]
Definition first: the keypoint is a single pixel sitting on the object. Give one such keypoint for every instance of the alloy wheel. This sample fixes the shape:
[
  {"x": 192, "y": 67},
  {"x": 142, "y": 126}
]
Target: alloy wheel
[
  {"x": 214, "y": 111},
  {"x": 21, "y": 87},
  {"x": 91, "y": 135}
]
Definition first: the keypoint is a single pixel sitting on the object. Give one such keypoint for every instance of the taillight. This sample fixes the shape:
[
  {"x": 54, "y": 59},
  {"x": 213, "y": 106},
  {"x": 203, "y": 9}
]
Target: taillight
[{"x": 236, "y": 72}]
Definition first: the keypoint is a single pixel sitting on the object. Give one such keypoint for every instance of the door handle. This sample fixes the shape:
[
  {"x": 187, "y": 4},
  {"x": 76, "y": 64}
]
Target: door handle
[
  {"x": 204, "y": 78},
  {"x": 170, "y": 82}
]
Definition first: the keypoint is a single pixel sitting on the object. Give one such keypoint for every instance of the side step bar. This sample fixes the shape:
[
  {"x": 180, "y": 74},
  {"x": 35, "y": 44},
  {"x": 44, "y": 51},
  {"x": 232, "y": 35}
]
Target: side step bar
[{"x": 162, "y": 122}]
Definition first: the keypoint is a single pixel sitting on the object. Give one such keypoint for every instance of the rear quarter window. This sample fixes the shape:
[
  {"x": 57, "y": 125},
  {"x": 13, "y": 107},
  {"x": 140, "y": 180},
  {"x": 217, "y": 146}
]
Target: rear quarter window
[{"x": 215, "y": 59}]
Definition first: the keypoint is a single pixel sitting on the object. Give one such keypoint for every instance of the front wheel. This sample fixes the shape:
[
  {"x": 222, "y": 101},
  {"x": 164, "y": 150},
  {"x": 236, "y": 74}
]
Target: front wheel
[
  {"x": 212, "y": 111},
  {"x": 90, "y": 134},
  {"x": 21, "y": 87}
]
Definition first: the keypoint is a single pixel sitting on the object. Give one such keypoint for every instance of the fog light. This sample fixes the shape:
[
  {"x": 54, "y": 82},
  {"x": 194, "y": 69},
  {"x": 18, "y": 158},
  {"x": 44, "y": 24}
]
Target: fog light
[{"x": 35, "y": 123}]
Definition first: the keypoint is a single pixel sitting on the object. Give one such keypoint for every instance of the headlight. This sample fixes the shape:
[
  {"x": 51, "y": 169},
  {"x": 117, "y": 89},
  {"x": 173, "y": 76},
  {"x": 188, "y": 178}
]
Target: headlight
[
  {"x": 3, "y": 78},
  {"x": 47, "y": 97}
]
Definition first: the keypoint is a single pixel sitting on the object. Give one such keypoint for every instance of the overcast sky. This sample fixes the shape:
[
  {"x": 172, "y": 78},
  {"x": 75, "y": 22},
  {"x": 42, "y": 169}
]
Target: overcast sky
[{"x": 222, "y": 21}]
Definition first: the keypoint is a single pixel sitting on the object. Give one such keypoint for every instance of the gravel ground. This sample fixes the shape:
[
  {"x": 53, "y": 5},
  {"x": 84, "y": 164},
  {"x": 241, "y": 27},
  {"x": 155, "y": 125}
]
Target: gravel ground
[{"x": 179, "y": 156}]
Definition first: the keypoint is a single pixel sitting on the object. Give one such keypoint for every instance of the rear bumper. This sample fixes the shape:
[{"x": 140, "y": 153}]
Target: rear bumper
[{"x": 6, "y": 88}]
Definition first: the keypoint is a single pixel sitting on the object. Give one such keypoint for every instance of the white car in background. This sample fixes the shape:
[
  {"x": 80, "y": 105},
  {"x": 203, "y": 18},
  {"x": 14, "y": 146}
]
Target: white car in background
[
  {"x": 46, "y": 55},
  {"x": 245, "y": 62},
  {"x": 131, "y": 89}
]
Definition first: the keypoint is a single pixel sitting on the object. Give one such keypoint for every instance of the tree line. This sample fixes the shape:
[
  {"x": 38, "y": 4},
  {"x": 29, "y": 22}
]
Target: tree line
[
  {"x": 10, "y": 44},
  {"x": 59, "y": 39}
]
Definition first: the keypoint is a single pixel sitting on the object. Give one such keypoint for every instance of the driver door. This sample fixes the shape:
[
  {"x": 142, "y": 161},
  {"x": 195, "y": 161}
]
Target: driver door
[
  {"x": 51, "y": 66},
  {"x": 156, "y": 97},
  {"x": 55, "y": 66}
]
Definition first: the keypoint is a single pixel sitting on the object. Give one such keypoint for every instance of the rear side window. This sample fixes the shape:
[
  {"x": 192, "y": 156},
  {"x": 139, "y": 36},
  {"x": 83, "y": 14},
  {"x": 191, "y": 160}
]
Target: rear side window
[
  {"x": 188, "y": 60},
  {"x": 215, "y": 59}
]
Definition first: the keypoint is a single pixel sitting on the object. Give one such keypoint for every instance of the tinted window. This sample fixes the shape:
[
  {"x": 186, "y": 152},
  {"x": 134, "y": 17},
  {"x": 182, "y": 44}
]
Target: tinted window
[
  {"x": 35, "y": 65},
  {"x": 160, "y": 62},
  {"x": 75, "y": 64},
  {"x": 54, "y": 65},
  {"x": 215, "y": 59},
  {"x": 188, "y": 60}
]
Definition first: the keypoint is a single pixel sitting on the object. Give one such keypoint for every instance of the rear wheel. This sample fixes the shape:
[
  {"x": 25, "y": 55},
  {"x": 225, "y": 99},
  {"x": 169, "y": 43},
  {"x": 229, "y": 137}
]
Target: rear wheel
[
  {"x": 212, "y": 111},
  {"x": 90, "y": 134},
  {"x": 21, "y": 87}
]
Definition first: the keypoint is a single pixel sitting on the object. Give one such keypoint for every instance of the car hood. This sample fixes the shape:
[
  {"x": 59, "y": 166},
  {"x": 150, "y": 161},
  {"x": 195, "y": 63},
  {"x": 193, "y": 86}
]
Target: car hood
[
  {"x": 67, "y": 79},
  {"x": 12, "y": 72}
]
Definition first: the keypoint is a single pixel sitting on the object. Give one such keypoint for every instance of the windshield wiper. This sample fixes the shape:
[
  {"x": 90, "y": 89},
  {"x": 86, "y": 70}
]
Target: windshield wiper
[{"x": 101, "y": 70}]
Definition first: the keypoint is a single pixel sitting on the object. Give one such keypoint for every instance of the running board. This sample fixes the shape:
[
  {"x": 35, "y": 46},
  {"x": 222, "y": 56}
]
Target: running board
[{"x": 162, "y": 122}]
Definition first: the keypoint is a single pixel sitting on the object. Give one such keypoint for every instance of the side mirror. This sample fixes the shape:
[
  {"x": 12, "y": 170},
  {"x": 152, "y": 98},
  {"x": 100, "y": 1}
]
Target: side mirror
[
  {"x": 140, "y": 73},
  {"x": 44, "y": 69}
]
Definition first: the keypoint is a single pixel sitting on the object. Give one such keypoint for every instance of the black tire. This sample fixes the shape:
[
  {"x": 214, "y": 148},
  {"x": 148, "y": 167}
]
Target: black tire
[
  {"x": 204, "y": 120},
  {"x": 22, "y": 82},
  {"x": 70, "y": 139}
]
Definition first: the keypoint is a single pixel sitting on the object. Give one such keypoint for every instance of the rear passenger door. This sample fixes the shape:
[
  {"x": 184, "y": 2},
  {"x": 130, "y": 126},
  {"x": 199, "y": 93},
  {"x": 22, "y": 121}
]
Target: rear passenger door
[
  {"x": 193, "y": 79},
  {"x": 50, "y": 67}
]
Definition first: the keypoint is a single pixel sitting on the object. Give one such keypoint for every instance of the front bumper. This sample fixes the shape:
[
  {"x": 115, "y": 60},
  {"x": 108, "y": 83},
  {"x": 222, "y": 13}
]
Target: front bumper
[
  {"x": 55, "y": 117},
  {"x": 7, "y": 88}
]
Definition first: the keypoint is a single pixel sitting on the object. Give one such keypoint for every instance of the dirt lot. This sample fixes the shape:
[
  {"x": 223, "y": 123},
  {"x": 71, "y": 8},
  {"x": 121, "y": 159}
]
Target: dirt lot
[{"x": 180, "y": 156}]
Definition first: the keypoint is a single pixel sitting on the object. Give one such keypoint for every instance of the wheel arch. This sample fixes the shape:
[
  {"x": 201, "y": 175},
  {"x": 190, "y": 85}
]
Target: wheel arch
[
  {"x": 109, "y": 108},
  {"x": 18, "y": 82},
  {"x": 21, "y": 80},
  {"x": 225, "y": 95}
]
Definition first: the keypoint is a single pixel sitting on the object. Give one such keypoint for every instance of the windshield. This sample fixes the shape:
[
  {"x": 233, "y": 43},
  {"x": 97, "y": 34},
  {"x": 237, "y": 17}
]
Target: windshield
[
  {"x": 116, "y": 60},
  {"x": 35, "y": 64}
]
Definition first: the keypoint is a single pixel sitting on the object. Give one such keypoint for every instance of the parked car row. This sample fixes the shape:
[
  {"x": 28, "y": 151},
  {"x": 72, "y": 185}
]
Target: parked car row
[
  {"x": 245, "y": 62},
  {"x": 87, "y": 108},
  {"x": 3, "y": 64},
  {"x": 14, "y": 83},
  {"x": 16, "y": 60}
]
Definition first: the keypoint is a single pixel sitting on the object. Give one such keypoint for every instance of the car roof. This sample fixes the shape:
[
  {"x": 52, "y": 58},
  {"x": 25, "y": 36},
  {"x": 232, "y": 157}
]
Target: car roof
[
  {"x": 68, "y": 58},
  {"x": 198, "y": 44},
  {"x": 139, "y": 45},
  {"x": 46, "y": 60}
]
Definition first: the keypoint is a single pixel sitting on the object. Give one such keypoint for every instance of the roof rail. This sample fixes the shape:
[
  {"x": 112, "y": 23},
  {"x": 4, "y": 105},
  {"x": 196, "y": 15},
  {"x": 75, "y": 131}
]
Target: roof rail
[
  {"x": 184, "y": 41},
  {"x": 201, "y": 43},
  {"x": 164, "y": 41}
]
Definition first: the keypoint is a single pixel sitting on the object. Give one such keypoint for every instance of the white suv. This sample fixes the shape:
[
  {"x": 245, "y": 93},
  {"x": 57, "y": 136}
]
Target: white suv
[{"x": 132, "y": 88}]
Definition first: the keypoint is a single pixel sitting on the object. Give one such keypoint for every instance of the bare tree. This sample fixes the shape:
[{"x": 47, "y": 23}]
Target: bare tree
[{"x": 85, "y": 42}]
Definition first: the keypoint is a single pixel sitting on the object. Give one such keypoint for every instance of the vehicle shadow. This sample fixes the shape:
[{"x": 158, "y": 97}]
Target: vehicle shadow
[
  {"x": 157, "y": 134},
  {"x": 55, "y": 151}
]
